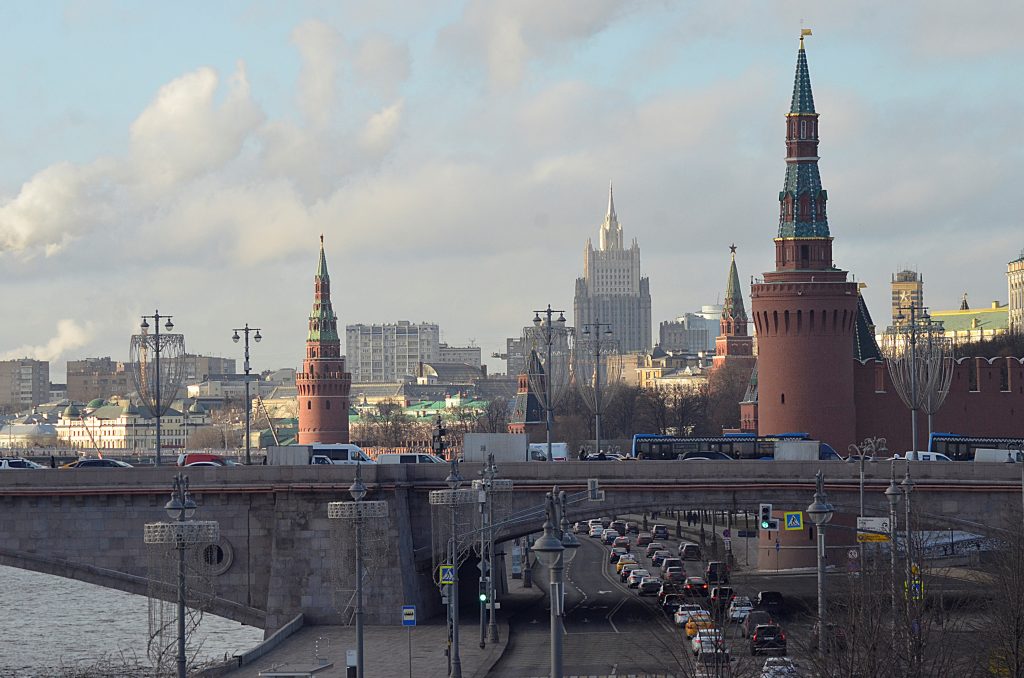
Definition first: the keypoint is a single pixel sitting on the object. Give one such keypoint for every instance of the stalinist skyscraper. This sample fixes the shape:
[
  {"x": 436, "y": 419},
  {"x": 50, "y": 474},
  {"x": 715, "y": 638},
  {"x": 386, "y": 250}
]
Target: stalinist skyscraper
[{"x": 612, "y": 290}]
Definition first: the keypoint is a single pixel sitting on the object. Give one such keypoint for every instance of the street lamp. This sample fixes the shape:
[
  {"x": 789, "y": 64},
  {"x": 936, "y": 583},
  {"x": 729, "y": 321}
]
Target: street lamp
[
  {"x": 892, "y": 493},
  {"x": 248, "y": 406},
  {"x": 182, "y": 533},
  {"x": 554, "y": 551},
  {"x": 159, "y": 409},
  {"x": 872, "y": 445},
  {"x": 598, "y": 336},
  {"x": 357, "y": 510},
  {"x": 489, "y": 485},
  {"x": 908, "y": 487},
  {"x": 820, "y": 513},
  {"x": 547, "y": 333}
]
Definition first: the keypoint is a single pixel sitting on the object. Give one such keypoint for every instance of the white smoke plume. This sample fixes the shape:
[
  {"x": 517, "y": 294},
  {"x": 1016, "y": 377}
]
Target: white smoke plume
[{"x": 70, "y": 335}]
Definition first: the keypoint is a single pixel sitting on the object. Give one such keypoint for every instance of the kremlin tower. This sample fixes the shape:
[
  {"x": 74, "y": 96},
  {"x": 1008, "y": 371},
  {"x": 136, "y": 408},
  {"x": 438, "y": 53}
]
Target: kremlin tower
[
  {"x": 733, "y": 346},
  {"x": 323, "y": 384},
  {"x": 805, "y": 311}
]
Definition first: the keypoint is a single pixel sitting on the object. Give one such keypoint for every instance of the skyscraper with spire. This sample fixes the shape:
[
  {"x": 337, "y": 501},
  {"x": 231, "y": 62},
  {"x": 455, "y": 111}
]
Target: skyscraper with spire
[
  {"x": 612, "y": 289},
  {"x": 733, "y": 346},
  {"x": 805, "y": 311},
  {"x": 323, "y": 384}
]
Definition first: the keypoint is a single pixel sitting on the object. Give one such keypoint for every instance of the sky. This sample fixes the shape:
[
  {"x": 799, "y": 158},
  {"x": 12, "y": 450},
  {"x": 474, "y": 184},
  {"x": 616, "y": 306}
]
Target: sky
[{"x": 185, "y": 157}]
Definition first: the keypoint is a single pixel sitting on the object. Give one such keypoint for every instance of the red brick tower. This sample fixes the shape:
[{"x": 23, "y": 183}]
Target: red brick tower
[
  {"x": 732, "y": 345},
  {"x": 323, "y": 384},
  {"x": 805, "y": 311}
]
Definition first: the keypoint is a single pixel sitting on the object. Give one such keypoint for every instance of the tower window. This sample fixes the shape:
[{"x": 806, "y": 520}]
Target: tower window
[
  {"x": 783, "y": 398},
  {"x": 803, "y": 129},
  {"x": 328, "y": 404},
  {"x": 309, "y": 404}
]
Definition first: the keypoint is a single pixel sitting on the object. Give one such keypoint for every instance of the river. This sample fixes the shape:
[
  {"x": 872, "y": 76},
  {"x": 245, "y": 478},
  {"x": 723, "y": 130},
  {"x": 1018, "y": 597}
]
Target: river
[{"x": 51, "y": 626}]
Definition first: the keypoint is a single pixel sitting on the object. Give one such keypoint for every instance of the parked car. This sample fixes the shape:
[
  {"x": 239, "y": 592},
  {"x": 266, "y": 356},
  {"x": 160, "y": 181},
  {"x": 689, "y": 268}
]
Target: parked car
[
  {"x": 644, "y": 538},
  {"x": 608, "y": 536},
  {"x": 739, "y": 608},
  {"x": 676, "y": 574},
  {"x": 615, "y": 554},
  {"x": 768, "y": 638},
  {"x": 695, "y": 586},
  {"x": 698, "y": 621},
  {"x": 779, "y": 667},
  {"x": 717, "y": 572},
  {"x": 626, "y": 569},
  {"x": 707, "y": 640},
  {"x": 628, "y": 559},
  {"x": 684, "y": 611},
  {"x": 660, "y": 532},
  {"x": 635, "y": 575},
  {"x": 18, "y": 462},
  {"x": 721, "y": 597},
  {"x": 653, "y": 548},
  {"x": 659, "y": 557},
  {"x": 622, "y": 541},
  {"x": 689, "y": 551},
  {"x": 754, "y": 619},
  {"x": 770, "y": 601},
  {"x": 648, "y": 586}
]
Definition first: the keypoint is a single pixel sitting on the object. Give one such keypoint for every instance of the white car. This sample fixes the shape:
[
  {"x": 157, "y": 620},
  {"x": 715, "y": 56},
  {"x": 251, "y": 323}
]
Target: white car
[
  {"x": 779, "y": 667},
  {"x": 706, "y": 640},
  {"x": 739, "y": 608},
  {"x": 596, "y": 531},
  {"x": 683, "y": 613},
  {"x": 18, "y": 462},
  {"x": 635, "y": 576}
]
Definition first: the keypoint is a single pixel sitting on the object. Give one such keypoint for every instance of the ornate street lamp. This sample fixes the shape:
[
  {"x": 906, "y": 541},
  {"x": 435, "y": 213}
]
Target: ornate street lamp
[
  {"x": 820, "y": 512},
  {"x": 248, "y": 405}
]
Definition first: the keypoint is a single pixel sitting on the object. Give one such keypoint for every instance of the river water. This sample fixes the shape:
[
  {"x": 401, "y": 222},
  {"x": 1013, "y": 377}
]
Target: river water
[{"x": 52, "y": 626}]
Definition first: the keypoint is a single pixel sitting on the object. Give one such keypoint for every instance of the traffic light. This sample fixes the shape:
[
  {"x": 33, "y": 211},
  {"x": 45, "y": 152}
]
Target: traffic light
[
  {"x": 765, "y": 516},
  {"x": 483, "y": 591}
]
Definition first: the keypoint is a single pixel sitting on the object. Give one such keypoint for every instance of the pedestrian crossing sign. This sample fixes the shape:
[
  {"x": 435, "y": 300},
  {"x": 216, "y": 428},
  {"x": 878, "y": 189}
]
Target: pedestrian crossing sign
[
  {"x": 794, "y": 520},
  {"x": 447, "y": 574}
]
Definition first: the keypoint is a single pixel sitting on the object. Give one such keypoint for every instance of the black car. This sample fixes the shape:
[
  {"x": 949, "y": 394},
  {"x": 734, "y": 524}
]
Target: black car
[
  {"x": 670, "y": 602},
  {"x": 717, "y": 572},
  {"x": 770, "y": 601},
  {"x": 660, "y": 532},
  {"x": 754, "y": 619},
  {"x": 98, "y": 463},
  {"x": 768, "y": 638}
]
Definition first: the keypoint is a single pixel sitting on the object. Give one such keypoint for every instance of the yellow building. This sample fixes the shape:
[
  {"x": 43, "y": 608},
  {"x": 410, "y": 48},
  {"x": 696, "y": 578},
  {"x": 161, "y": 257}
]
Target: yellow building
[{"x": 966, "y": 325}]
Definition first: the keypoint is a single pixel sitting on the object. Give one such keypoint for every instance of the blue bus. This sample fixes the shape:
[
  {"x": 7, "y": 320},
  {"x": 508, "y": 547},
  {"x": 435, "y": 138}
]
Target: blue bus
[
  {"x": 728, "y": 446},
  {"x": 962, "y": 448}
]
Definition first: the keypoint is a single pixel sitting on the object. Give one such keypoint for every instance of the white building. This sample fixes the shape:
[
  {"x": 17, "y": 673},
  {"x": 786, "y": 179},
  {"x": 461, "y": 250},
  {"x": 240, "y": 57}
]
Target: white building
[
  {"x": 459, "y": 355},
  {"x": 1015, "y": 284},
  {"x": 126, "y": 427},
  {"x": 387, "y": 353}
]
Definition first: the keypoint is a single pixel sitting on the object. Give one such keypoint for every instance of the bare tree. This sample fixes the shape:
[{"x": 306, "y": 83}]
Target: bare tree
[{"x": 495, "y": 417}]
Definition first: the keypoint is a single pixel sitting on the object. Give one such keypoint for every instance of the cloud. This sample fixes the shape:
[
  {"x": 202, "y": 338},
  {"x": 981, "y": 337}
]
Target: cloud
[
  {"x": 382, "y": 64},
  {"x": 321, "y": 47},
  {"x": 380, "y": 130},
  {"x": 70, "y": 336}
]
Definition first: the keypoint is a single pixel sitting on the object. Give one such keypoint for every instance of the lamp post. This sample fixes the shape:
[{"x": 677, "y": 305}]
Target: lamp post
[
  {"x": 548, "y": 336},
  {"x": 158, "y": 410},
  {"x": 872, "y": 445},
  {"x": 594, "y": 332},
  {"x": 356, "y": 511},
  {"x": 892, "y": 493},
  {"x": 248, "y": 406},
  {"x": 820, "y": 513},
  {"x": 908, "y": 487},
  {"x": 182, "y": 533},
  {"x": 550, "y": 549},
  {"x": 489, "y": 485}
]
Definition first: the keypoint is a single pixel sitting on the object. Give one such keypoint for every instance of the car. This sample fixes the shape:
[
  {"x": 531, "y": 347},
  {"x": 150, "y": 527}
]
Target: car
[
  {"x": 606, "y": 522},
  {"x": 754, "y": 619},
  {"x": 644, "y": 538},
  {"x": 659, "y": 557},
  {"x": 104, "y": 462},
  {"x": 705, "y": 455},
  {"x": 695, "y": 586},
  {"x": 633, "y": 580},
  {"x": 581, "y": 528},
  {"x": 779, "y": 667},
  {"x": 17, "y": 463},
  {"x": 609, "y": 536},
  {"x": 683, "y": 612},
  {"x": 667, "y": 589},
  {"x": 770, "y": 601},
  {"x": 648, "y": 586},
  {"x": 632, "y": 527},
  {"x": 717, "y": 572},
  {"x": 698, "y": 621},
  {"x": 627, "y": 559},
  {"x": 596, "y": 531},
  {"x": 660, "y": 532},
  {"x": 689, "y": 551},
  {"x": 670, "y": 562},
  {"x": 707, "y": 640},
  {"x": 739, "y": 608},
  {"x": 721, "y": 597},
  {"x": 671, "y": 602},
  {"x": 652, "y": 548},
  {"x": 190, "y": 458},
  {"x": 767, "y": 638},
  {"x": 622, "y": 541},
  {"x": 676, "y": 574},
  {"x": 921, "y": 456},
  {"x": 619, "y": 526},
  {"x": 627, "y": 568},
  {"x": 615, "y": 554}
]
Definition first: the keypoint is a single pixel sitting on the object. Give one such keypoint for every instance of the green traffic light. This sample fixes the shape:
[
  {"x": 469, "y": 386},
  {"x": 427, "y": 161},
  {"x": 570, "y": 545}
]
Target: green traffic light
[
  {"x": 483, "y": 597},
  {"x": 764, "y": 524}
]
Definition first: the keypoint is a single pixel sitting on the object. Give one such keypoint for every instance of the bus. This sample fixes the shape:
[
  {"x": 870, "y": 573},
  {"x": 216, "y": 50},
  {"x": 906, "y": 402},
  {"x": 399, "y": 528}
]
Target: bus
[
  {"x": 963, "y": 448},
  {"x": 728, "y": 446}
]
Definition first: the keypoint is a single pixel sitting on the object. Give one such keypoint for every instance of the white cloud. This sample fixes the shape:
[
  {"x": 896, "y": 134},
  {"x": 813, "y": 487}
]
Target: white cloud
[
  {"x": 382, "y": 64},
  {"x": 321, "y": 47},
  {"x": 70, "y": 336},
  {"x": 381, "y": 129}
]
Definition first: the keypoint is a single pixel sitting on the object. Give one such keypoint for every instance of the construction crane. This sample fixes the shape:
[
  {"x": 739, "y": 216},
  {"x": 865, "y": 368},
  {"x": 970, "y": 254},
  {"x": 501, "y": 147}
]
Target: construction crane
[{"x": 270, "y": 423}]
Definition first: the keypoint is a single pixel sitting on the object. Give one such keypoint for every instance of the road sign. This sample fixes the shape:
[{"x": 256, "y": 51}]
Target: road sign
[
  {"x": 408, "y": 615},
  {"x": 872, "y": 529},
  {"x": 447, "y": 574},
  {"x": 726, "y": 533},
  {"x": 728, "y": 543},
  {"x": 777, "y": 546},
  {"x": 853, "y": 554},
  {"x": 794, "y": 520}
]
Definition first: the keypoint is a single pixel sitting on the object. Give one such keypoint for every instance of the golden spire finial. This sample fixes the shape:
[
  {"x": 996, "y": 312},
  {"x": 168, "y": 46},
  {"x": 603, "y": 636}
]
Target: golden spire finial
[
  {"x": 803, "y": 32},
  {"x": 321, "y": 240}
]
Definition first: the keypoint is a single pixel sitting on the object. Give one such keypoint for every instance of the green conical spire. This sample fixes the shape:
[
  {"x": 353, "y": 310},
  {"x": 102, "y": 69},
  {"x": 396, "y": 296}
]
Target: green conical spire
[
  {"x": 803, "y": 99},
  {"x": 733, "y": 306},
  {"x": 323, "y": 324},
  {"x": 321, "y": 268}
]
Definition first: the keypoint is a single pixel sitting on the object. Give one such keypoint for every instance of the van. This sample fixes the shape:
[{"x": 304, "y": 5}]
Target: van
[
  {"x": 924, "y": 456},
  {"x": 987, "y": 454},
  {"x": 340, "y": 453},
  {"x": 408, "y": 458},
  {"x": 187, "y": 458},
  {"x": 717, "y": 572},
  {"x": 539, "y": 451}
]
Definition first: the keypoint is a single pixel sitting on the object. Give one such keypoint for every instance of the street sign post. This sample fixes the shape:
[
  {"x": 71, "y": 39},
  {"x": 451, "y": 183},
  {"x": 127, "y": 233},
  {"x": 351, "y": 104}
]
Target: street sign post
[
  {"x": 872, "y": 530},
  {"x": 794, "y": 520},
  {"x": 409, "y": 620}
]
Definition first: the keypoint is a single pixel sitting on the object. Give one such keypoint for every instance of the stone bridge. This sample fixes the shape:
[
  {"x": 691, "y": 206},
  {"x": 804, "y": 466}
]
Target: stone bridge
[{"x": 276, "y": 557}]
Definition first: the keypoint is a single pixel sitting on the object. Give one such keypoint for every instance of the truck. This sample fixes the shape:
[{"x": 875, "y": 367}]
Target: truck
[
  {"x": 504, "y": 446},
  {"x": 539, "y": 451},
  {"x": 318, "y": 453},
  {"x": 804, "y": 450}
]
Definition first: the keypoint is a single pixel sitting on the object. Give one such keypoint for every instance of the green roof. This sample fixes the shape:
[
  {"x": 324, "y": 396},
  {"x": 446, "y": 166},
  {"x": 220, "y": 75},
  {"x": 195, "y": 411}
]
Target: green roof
[{"x": 974, "y": 319}]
